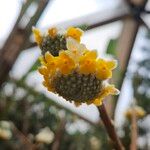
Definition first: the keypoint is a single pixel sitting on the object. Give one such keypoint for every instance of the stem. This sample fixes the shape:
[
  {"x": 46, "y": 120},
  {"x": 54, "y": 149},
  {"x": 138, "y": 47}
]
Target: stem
[
  {"x": 134, "y": 131},
  {"x": 25, "y": 141},
  {"x": 59, "y": 135},
  {"x": 110, "y": 128}
]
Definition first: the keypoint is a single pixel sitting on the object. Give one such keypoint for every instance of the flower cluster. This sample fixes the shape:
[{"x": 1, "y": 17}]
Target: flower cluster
[
  {"x": 76, "y": 73},
  {"x": 139, "y": 112}
]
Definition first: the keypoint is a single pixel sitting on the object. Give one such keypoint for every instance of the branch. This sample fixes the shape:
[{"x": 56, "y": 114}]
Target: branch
[
  {"x": 97, "y": 19},
  {"x": 134, "y": 131},
  {"x": 27, "y": 143},
  {"x": 110, "y": 128},
  {"x": 59, "y": 135},
  {"x": 15, "y": 42}
]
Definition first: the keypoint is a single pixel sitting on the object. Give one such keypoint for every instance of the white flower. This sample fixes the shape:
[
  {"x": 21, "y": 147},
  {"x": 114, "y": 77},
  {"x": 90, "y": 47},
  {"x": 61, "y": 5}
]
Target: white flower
[
  {"x": 5, "y": 124},
  {"x": 75, "y": 49},
  {"x": 45, "y": 136},
  {"x": 95, "y": 142},
  {"x": 5, "y": 130}
]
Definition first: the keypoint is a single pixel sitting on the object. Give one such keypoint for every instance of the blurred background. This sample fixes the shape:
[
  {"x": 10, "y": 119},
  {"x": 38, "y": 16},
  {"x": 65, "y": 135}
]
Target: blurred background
[{"x": 33, "y": 118}]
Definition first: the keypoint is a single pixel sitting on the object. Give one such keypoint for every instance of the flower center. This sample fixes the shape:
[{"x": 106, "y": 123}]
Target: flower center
[
  {"x": 77, "y": 87},
  {"x": 53, "y": 45}
]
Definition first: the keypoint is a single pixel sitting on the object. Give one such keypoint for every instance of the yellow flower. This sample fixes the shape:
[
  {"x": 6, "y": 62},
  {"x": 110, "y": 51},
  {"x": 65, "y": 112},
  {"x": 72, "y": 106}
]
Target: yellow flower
[
  {"x": 50, "y": 64},
  {"x": 45, "y": 135},
  {"x": 75, "y": 50},
  {"x": 104, "y": 68},
  {"x": 43, "y": 70},
  {"x": 87, "y": 62},
  {"x": 139, "y": 111},
  {"x": 65, "y": 63},
  {"x": 37, "y": 35},
  {"x": 75, "y": 33},
  {"x": 54, "y": 40},
  {"x": 77, "y": 74},
  {"x": 75, "y": 81}
]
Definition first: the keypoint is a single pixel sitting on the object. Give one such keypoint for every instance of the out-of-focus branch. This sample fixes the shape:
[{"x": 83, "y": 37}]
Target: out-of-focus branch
[
  {"x": 110, "y": 128},
  {"x": 59, "y": 135},
  {"x": 126, "y": 42},
  {"x": 98, "y": 19},
  {"x": 25, "y": 141},
  {"x": 34, "y": 20},
  {"x": 16, "y": 40},
  {"x": 134, "y": 130}
]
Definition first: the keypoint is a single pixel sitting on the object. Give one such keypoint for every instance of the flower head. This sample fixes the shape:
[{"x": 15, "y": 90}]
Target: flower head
[
  {"x": 75, "y": 74},
  {"x": 5, "y": 130},
  {"x": 139, "y": 112},
  {"x": 45, "y": 136},
  {"x": 65, "y": 63},
  {"x": 54, "y": 41}
]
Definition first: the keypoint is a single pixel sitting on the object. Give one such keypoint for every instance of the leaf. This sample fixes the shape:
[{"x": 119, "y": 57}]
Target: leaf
[
  {"x": 111, "y": 48},
  {"x": 83, "y": 27},
  {"x": 35, "y": 66}
]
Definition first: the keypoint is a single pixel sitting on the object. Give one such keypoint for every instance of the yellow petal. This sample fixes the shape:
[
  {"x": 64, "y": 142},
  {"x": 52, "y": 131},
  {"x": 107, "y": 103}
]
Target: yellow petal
[
  {"x": 101, "y": 62},
  {"x": 97, "y": 102},
  {"x": 37, "y": 35},
  {"x": 140, "y": 112},
  {"x": 112, "y": 64},
  {"x": 87, "y": 66},
  {"x": 43, "y": 70},
  {"x": 108, "y": 90},
  {"x": 48, "y": 57},
  {"x": 103, "y": 73},
  {"x": 91, "y": 54},
  {"x": 75, "y": 33},
  {"x": 65, "y": 63}
]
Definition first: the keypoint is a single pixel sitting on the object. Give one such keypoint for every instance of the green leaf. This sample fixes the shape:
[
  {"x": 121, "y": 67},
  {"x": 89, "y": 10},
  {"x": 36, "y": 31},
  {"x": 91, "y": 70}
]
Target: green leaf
[
  {"x": 83, "y": 27},
  {"x": 35, "y": 66},
  {"x": 111, "y": 48}
]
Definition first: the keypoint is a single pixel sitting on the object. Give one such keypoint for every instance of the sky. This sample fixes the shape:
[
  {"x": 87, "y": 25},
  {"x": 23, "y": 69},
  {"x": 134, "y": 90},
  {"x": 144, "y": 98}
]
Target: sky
[{"x": 55, "y": 13}]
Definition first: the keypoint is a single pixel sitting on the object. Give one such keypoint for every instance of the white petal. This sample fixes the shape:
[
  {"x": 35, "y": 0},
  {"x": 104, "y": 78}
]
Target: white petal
[{"x": 71, "y": 44}]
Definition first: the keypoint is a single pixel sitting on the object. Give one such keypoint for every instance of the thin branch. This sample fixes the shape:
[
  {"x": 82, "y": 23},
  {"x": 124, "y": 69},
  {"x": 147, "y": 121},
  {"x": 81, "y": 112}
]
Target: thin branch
[
  {"x": 59, "y": 135},
  {"x": 126, "y": 42},
  {"x": 110, "y": 128},
  {"x": 134, "y": 131},
  {"x": 27, "y": 143},
  {"x": 97, "y": 20},
  {"x": 15, "y": 42}
]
